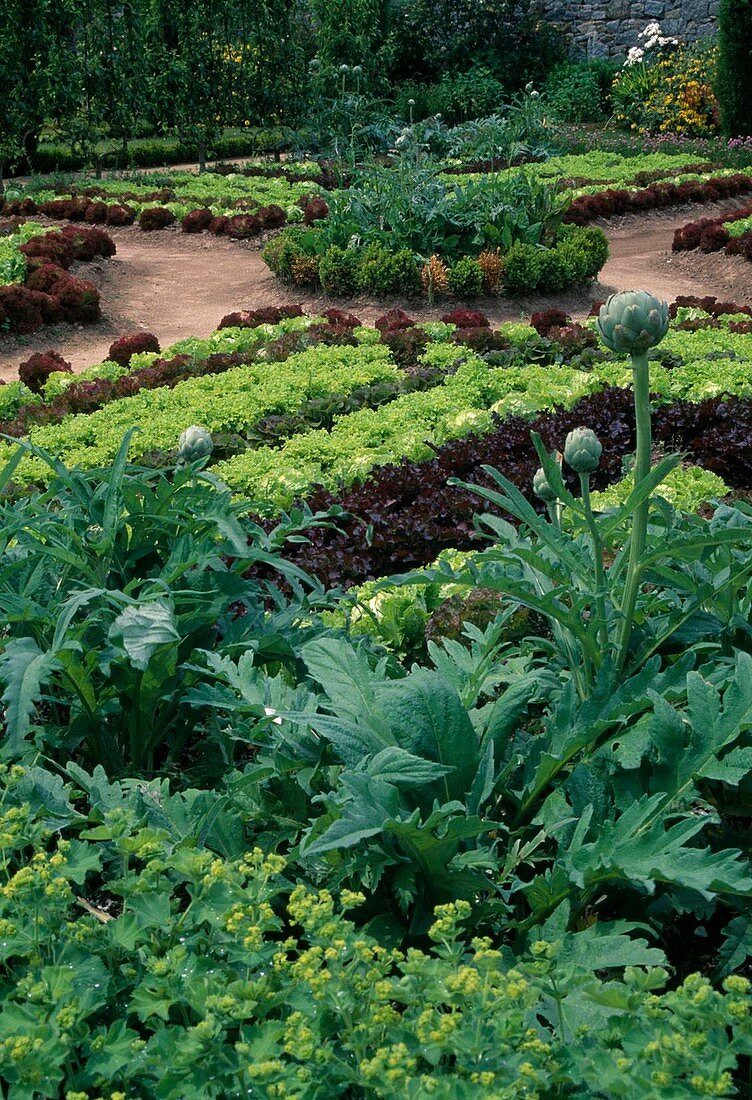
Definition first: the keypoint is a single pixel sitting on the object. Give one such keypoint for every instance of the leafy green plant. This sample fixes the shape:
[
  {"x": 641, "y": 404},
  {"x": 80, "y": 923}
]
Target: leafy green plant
[
  {"x": 113, "y": 580},
  {"x": 466, "y": 278},
  {"x": 169, "y": 958},
  {"x": 580, "y": 91},
  {"x": 734, "y": 42}
]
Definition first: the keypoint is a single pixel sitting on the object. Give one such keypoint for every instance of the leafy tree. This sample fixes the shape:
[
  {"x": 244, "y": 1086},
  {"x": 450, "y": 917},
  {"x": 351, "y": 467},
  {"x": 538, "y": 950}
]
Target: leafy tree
[
  {"x": 434, "y": 37},
  {"x": 352, "y": 32},
  {"x": 733, "y": 86},
  {"x": 120, "y": 99},
  {"x": 24, "y": 40},
  {"x": 188, "y": 55}
]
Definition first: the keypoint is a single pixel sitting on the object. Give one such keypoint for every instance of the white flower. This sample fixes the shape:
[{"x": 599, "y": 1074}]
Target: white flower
[{"x": 635, "y": 56}]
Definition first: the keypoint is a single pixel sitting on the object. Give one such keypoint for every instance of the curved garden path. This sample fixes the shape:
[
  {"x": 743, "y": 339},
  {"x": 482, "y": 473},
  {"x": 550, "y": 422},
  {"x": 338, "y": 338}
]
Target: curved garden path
[{"x": 177, "y": 285}]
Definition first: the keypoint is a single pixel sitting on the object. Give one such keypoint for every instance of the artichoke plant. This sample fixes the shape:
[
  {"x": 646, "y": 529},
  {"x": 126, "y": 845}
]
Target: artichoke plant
[
  {"x": 194, "y": 443},
  {"x": 582, "y": 450},
  {"x": 541, "y": 487},
  {"x": 633, "y": 321}
]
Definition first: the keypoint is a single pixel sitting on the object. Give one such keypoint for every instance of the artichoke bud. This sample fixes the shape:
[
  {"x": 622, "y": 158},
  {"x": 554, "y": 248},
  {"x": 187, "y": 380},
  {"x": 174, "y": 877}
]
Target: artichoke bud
[
  {"x": 582, "y": 450},
  {"x": 633, "y": 321},
  {"x": 194, "y": 443},
  {"x": 541, "y": 486}
]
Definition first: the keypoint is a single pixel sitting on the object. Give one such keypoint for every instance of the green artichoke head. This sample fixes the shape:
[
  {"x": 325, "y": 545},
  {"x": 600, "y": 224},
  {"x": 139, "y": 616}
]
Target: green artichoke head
[
  {"x": 194, "y": 443},
  {"x": 582, "y": 450},
  {"x": 633, "y": 321},
  {"x": 541, "y": 486}
]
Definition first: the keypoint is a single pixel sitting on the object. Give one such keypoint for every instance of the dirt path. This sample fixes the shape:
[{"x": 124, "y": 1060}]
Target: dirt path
[{"x": 177, "y": 285}]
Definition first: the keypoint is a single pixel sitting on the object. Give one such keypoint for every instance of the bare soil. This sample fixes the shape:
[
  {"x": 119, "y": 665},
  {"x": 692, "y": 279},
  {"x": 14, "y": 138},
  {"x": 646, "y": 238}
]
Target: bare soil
[{"x": 176, "y": 285}]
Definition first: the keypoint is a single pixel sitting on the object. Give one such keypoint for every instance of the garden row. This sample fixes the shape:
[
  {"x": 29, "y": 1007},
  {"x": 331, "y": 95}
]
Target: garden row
[
  {"x": 36, "y": 286},
  {"x": 730, "y": 233},
  {"x": 241, "y": 205},
  {"x": 377, "y": 419}
]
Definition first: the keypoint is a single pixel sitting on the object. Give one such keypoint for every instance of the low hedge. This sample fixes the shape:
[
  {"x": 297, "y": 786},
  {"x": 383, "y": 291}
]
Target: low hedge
[
  {"x": 296, "y": 258},
  {"x": 154, "y": 152}
]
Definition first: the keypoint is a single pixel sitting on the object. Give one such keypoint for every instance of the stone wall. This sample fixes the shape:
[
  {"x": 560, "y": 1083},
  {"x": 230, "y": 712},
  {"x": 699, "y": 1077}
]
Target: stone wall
[{"x": 598, "y": 29}]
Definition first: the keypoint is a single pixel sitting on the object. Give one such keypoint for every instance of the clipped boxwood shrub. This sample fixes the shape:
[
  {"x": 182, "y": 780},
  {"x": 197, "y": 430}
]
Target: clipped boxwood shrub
[
  {"x": 382, "y": 272},
  {"x": 523, "y": 268},
  {"x": 281, "y": 252},
  {"x": 466, "y": 278},
  {"x": 556, "y": 269},
  {"x": 338, "y": 271}
]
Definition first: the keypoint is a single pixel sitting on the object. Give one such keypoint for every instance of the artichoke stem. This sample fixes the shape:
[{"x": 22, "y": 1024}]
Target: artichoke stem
[
  {"x": 600, "y": 581},
  {"x": 641, "y": 375}
]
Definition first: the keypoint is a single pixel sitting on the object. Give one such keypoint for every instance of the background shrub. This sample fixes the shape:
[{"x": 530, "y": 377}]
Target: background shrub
[
  {"x": 733, "y": 84},
  {"x": 460, "y": 96},
  {"x": 580, "y": 91}
]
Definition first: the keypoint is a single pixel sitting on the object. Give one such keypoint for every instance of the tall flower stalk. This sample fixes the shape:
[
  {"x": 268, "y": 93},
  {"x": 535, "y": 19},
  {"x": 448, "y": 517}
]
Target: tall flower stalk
[{"x": 635, "y": 321}]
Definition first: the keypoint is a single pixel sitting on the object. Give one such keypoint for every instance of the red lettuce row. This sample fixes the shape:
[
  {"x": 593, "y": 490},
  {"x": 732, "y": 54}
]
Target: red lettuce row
[
  {"x": 612, "y": 202},
  {"x": 405, "y": 514},
  {"x": 711, "y": 235},
  {"x": 241, "y": 226},
  {"x": 50, "y": 293}
]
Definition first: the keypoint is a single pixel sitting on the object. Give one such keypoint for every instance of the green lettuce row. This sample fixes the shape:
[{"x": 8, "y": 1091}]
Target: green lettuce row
[
  {"x": 219, "y": 192},
  {"x": 737, "y": 228},
  {"x": 232, "y": 401},
  {"x": 599, "y": 167},
  {"x": 406, "y": 428},
  {"x": 226, "y": 341},
  {"x": 412, "y": 425},
  {"x": 360, "y": 441}
]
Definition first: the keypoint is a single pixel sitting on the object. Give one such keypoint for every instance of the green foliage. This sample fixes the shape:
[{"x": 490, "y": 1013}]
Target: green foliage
[
  {"x": 338, "y": 271},
  {"x": 112, "y": 582},
  {"x": 413, "y": 206},
  {"x": 734, "y": 61},
  {"x": 201, "y": 968},
  {"x": 381, "y": 272},
  {"x": 523, "y": 268},
  {"x": 686, "y": 488},
  {"x": 459, "y": 96},
  {"x": 352, "y": 33},
  {"x": 246, "y": 394},
  {"x": 579, "y": 91},
  {"x": 466, "y": 278},
  {"x": 12, "y": 260},
  {"x": 507, "y": 37}
]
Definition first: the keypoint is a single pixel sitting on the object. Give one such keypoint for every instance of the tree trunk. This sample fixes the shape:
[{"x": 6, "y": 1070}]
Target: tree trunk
[{"x": 201, "y": 157}]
